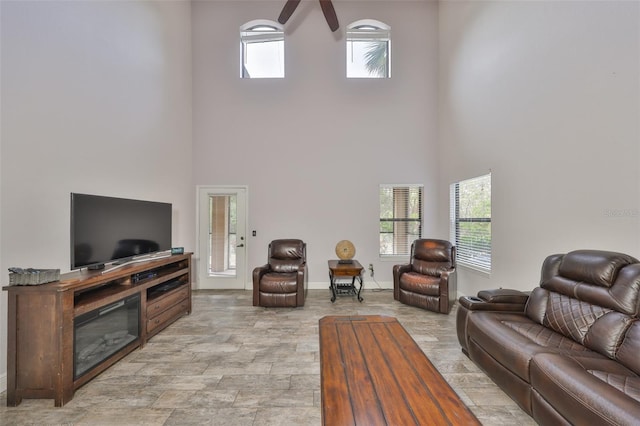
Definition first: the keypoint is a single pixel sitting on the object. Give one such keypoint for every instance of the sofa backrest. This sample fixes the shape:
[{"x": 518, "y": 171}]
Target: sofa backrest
[{"x": 590, "y": 296}]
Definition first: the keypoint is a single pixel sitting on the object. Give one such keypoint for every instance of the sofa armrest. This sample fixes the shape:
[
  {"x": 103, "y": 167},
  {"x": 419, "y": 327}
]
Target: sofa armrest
[
  {"x": 502, "y": 300},
  {"x": 506, "y": 300},
  {"x": 504, "y": 295}
]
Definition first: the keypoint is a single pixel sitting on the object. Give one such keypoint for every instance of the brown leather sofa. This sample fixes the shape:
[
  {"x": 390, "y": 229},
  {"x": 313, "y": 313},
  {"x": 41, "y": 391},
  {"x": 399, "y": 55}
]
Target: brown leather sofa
[
  {"x": 282, "y": 282},
  {"x": 568, "y": 352}
]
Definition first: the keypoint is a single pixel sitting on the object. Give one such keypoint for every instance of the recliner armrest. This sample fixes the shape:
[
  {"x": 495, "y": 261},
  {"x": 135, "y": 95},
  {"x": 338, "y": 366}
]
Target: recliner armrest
[
  {"x": 397, "y": 271},
  {"x": 401, "y": 269},
  {"x": 257, "y": 274},
  {"x": 302, "y": 273},
  {"x": 302, "y": 278},
  {"x": 259, "y": 271}
]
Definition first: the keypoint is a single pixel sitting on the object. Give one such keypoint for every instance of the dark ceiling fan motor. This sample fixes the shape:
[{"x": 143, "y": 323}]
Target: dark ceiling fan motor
[{"x": 327, "y": 9}]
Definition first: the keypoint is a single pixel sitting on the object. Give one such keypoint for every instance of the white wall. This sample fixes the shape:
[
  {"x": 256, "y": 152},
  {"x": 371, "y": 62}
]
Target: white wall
[
  {"x": 545, "y": 94},
  {"x": 314, "y": 147},
  {"x": 96, "y": 98}
]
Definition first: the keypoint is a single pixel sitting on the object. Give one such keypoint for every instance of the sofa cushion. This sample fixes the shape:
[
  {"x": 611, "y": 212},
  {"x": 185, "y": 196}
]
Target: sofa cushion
[
  {"x": 587, "y": 390},
  {"x": 597, "y": 328},
  {"x": 629, "y": 385},
  {"x": 512, "y": 339},
  {"x": 629, "y": 351},
  {"x": 571, "y": 317}
]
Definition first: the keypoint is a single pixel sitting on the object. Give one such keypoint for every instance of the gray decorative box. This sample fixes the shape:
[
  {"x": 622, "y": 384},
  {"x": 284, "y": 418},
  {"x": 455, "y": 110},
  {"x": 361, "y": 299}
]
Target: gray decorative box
[{"x": 30, "y": 276}]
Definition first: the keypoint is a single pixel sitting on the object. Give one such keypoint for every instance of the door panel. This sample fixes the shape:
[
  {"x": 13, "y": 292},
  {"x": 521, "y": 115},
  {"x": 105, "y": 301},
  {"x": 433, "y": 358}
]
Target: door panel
[{"x": 222, "y": 237}]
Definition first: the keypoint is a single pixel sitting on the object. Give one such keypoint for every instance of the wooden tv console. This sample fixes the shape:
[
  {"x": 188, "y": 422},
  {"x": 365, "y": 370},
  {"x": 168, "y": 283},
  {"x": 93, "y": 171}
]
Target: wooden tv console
[{"x": 40, "y": 350}]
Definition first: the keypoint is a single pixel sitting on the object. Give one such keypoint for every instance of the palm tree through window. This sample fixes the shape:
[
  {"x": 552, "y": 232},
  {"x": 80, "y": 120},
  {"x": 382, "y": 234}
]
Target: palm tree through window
[{"x": 368, "y": 50}]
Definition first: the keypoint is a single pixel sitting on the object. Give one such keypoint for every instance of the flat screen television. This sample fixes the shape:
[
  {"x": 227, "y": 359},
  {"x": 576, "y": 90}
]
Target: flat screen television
[{"x": 111, "y": 230}]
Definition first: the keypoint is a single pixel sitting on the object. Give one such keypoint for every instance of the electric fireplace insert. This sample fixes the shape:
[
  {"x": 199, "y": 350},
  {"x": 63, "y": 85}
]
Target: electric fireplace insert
[{"x": 103, "y": 332}]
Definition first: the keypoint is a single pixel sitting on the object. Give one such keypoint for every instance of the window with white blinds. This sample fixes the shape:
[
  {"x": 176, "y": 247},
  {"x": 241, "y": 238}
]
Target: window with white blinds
[
  {"x": 400, "y": 218},
  {"x": 470, "y": 225}
]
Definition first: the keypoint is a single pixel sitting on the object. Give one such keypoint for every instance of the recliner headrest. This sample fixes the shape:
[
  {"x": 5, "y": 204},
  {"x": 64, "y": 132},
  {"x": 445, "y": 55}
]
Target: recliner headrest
[
  {"x": 287, "y": 249},
  {"x": 432, "y": 250},
  {"x": 594, "y": 266}
]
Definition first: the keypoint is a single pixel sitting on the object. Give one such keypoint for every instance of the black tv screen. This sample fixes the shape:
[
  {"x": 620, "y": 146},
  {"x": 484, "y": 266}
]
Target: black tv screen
[{"x": 108, "y": 229}]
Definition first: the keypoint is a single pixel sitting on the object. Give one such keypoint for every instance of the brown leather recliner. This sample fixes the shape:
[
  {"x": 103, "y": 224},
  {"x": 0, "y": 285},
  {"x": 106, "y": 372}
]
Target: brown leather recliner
[
  {"x": 429, "y": 280},
  {"x": 282, "y": 282}
]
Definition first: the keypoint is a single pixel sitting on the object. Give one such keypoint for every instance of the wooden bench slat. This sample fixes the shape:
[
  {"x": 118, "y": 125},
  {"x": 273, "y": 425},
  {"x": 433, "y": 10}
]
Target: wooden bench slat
[
  {"x": 414, "y": 366},
  {"x": 448, "y": 400},
  {"x": 393, "y": 398},
  {"x": 374, "y": 373},
  {"x": 364, "y": 400},
  {"x": 336, "y": 409}
]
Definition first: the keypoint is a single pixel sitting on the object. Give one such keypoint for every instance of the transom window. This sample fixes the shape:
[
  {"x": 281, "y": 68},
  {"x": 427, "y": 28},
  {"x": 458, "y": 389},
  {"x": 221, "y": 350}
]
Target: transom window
[
  {"x": 400, "y": 218},
  {"x": 262, "y": 50},
  {"x": 368, "y": 49},
  {"x": 471, "y": 222}
]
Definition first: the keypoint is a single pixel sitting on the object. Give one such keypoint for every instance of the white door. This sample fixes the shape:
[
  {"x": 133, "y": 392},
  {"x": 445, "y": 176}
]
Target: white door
[{"x": 222, "y": 242}]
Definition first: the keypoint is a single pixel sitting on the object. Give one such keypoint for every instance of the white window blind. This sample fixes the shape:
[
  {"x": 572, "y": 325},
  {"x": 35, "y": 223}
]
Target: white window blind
[
  {"x": 400, "y": 218},
  {"x": 470, "y": 224}
]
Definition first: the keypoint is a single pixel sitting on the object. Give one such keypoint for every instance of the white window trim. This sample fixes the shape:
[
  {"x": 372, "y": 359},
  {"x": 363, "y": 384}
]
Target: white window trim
[
  {"x": 248, "y": 36},
  {"x": 382, "y": 33},
  {"x": 261, "y": 23}
]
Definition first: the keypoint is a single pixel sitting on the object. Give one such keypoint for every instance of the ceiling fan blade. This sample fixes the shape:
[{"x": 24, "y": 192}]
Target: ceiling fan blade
[
  {"x": 287, "y": 11},
  {"x": 329, "y": 14}
]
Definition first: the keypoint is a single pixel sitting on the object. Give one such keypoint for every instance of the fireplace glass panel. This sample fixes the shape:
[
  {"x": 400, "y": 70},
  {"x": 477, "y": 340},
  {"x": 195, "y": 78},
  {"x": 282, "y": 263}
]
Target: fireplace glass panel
[{"x": 101, "y": 333}]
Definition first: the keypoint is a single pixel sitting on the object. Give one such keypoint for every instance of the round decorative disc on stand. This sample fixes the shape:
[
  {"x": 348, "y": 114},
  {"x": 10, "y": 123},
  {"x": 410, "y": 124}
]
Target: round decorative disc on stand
[{"x": 345, "y": 250}]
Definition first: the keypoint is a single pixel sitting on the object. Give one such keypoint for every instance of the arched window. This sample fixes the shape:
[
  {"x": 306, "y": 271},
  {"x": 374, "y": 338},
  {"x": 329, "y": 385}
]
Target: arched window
[
  {"x": 261, "y": 50},
  {"x": 368, "y": 49}
]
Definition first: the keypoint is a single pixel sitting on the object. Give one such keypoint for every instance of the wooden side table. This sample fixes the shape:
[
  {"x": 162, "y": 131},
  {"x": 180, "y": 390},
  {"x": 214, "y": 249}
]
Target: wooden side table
[{"x": 339, "y": 275}]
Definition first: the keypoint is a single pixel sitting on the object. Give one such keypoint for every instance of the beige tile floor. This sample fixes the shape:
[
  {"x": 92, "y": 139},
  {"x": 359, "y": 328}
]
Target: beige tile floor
[{"x": 229, "y": 363}]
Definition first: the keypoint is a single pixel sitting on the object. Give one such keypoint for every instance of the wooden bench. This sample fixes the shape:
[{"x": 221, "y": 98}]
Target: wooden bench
[{"x": 374, "y": 373}]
